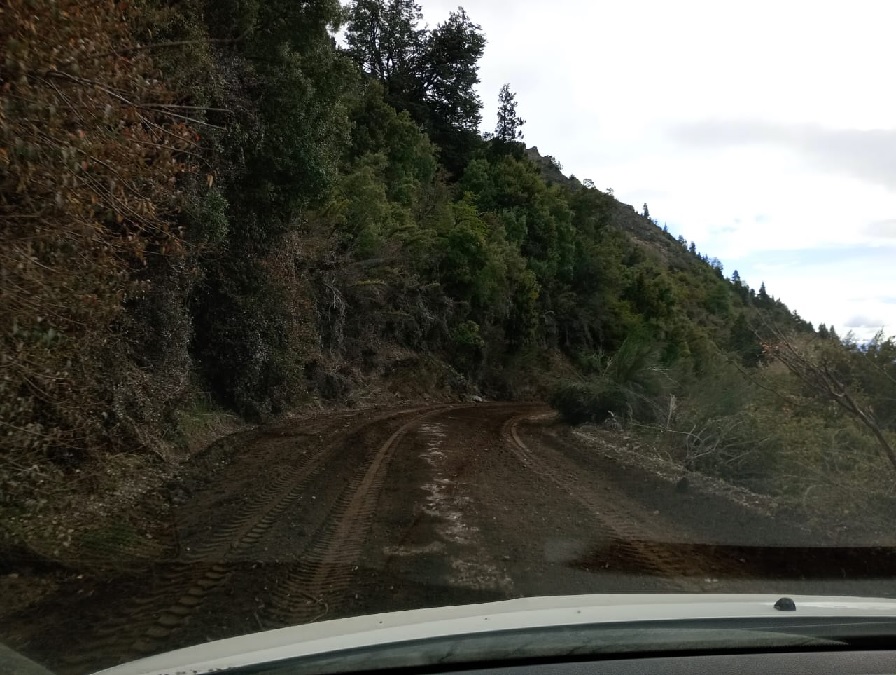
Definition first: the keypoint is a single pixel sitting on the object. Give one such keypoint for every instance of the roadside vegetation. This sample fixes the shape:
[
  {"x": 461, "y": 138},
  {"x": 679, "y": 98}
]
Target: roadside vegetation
[
  {"x": 213, "y": 211},
  {"x": 810, "y": 425}
]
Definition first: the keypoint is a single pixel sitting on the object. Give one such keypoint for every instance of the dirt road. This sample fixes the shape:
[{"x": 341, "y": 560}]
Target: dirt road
[{"x": 368, "y": 511}]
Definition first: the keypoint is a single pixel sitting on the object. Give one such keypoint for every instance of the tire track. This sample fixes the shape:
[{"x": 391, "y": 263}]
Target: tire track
[
  {"x": 315, "y": 586},
  {"x": 634, "y": 535},
  {"x": 148, "y": 620}
]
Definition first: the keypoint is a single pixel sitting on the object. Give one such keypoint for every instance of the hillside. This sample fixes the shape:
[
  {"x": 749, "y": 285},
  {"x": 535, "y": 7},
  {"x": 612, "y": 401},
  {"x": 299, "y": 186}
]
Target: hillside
[{"x": 214, "y": 216}]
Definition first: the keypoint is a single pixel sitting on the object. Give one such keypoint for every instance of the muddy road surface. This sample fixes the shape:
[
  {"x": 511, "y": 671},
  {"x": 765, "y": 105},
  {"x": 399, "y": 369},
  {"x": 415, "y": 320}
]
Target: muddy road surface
[{"x": 369, "y": 511}]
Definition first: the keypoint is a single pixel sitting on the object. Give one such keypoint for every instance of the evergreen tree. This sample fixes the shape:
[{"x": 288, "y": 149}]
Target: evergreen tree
[
  {"x": 430, "y": 73},
  {"x": 646, "y": 212},
  {"x": 448, "y": 73},
  {"x": 383, "y": 38},
  {"x": 509, "y": 122}
]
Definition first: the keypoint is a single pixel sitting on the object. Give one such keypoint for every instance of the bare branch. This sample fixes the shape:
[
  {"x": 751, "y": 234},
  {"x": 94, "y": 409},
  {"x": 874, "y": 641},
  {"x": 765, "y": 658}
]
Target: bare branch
[{"x": 823, "y": 381}]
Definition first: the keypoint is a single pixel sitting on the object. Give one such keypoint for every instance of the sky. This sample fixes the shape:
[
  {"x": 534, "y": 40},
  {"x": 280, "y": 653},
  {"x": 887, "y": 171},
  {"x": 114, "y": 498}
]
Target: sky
[{"x": 763, "y": 131}]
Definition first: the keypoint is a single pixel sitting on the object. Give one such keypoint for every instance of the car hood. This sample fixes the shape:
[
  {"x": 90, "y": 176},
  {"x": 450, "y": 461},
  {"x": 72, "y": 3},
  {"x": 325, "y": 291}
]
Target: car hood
[{"x": 394, "y": 628}]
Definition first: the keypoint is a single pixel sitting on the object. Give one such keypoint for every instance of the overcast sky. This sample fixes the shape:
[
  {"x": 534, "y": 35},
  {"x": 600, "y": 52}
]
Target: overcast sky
[{"x": 763, "y": 131}]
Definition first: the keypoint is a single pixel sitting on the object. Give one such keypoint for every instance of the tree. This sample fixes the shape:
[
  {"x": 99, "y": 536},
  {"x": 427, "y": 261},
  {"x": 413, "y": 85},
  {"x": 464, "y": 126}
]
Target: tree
[
  {"x": 763, "y": 299},
  {"x": 450, "y": 71},
  {"x": 383, "y": 38},
  {"x": 646, "y": 212},
  {"x": 735, "y": 278},
  {"x": 693, "y": 248},
  {"x": 430, "y": 73},
  {"x": 509, "y": 122}
]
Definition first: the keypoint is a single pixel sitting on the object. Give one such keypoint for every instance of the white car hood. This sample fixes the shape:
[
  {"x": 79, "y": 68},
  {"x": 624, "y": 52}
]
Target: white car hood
[{"x": 397, "y": 627}]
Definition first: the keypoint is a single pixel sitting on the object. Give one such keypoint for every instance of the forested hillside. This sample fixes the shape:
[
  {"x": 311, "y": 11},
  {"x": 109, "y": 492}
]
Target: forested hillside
[{"x": 217, "y": 207}]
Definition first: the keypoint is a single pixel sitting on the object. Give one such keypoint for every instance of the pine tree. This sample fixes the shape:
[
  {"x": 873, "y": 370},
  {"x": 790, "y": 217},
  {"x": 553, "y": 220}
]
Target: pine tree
[
  {"x": 646, "y": 212},
  {"x": 509, "y": 122}
]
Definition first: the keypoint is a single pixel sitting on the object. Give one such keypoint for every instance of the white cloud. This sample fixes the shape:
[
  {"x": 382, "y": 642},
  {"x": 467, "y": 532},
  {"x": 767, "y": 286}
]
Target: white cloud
[
  {"x": 864, "y": 154},
  {"x": 884, "y": 230},
  {"x": 863, "y": 322}
]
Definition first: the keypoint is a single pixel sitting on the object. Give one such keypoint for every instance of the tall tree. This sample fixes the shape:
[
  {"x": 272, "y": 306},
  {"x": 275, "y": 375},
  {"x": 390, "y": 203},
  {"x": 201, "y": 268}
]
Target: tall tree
[
  {"x": 430, "y": 73},
  {"x": 450, "y": 71},
  {"x": 383, "y": 37},
  {"x": 509, "y": 122}
]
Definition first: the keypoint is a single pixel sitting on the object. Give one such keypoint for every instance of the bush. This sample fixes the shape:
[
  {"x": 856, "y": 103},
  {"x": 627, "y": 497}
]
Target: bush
[
  {"x": 592, "y": 401},
  {"x": 629, "y": 386}
]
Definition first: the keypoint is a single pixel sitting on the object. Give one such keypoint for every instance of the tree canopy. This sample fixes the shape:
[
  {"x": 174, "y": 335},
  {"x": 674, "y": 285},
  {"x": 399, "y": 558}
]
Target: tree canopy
[{"x": 431, "y": 73}]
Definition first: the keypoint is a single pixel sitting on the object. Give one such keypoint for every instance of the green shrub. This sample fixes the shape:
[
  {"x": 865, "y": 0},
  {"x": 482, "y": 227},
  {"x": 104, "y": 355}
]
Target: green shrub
[
  {"x": 629, "y": 386},
  {"x": 591, "y": 401}
]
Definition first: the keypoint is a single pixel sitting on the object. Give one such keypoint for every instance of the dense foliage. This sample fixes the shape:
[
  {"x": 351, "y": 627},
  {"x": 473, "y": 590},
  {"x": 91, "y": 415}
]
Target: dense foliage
[
  {"x": 215, "y": 200},
  {"x": 92, "y": 147}
]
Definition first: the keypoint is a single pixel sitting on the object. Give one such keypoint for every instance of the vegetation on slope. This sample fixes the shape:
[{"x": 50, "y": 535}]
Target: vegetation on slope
[{"x": 212, "y": 203}]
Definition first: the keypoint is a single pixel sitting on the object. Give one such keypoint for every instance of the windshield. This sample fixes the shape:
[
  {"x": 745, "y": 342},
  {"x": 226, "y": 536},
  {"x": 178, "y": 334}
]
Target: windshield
[{"x": 314, "y": 310}]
